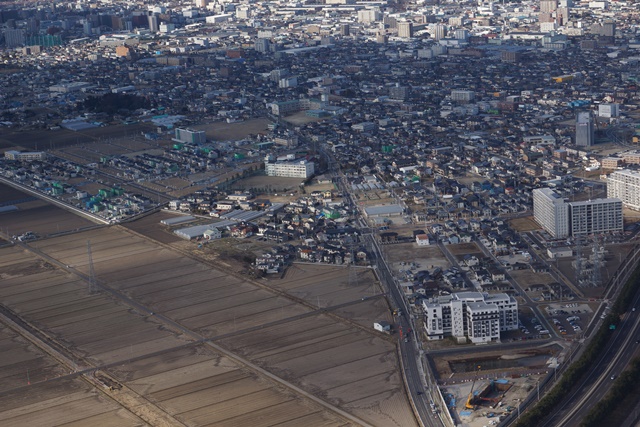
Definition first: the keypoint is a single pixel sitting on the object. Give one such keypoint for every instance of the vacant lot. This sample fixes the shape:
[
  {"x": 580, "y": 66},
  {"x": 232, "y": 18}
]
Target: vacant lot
[
  {"x": 425, "y": 257},
  {"x": 524, "y": 224},
  {"x": 223, "y": 131},
  {"x": 527, "y": 278},
  {"x": 270, "y": 184},
  {"x": 462, "y": 249}
]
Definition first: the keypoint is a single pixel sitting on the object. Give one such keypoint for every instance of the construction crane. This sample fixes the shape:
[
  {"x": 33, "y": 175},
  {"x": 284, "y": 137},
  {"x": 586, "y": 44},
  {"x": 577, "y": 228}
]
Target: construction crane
[{"x": 469, "y": 404}]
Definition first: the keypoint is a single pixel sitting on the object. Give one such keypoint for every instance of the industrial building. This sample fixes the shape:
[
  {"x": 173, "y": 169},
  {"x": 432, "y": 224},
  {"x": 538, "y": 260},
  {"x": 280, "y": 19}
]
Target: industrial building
[
  {"x": 476, "y": 316},
  {"x": 625, "y": 185},
  {"x": 562, "y": 219}
]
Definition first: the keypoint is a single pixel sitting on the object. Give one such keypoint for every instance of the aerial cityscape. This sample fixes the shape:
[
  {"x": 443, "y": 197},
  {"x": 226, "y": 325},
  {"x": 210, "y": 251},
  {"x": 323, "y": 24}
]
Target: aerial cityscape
[{"x": 320, "y": 213}]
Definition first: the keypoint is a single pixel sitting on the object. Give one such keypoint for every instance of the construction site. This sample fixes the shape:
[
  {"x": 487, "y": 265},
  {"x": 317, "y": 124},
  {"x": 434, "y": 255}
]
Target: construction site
[{"x": 486, "y": 400}]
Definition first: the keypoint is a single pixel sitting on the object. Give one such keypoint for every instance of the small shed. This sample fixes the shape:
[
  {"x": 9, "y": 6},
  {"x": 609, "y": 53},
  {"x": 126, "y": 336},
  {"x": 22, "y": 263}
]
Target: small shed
[
  {"x": 212, "y": 234},
  {"x": 382, "y": 326},
  {"x": 560, "y": 252}
]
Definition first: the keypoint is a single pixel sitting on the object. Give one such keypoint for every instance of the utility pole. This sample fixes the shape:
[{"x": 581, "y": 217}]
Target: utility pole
[{"x": 92, "y": 273}]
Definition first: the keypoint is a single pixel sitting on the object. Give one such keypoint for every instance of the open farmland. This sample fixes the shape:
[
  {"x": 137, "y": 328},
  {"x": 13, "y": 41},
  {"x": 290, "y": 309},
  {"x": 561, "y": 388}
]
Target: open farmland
[
  {"x": 65, "y": 401},
  {"x": 179, "y": 342},
  {"x": 35, "y": 215}
]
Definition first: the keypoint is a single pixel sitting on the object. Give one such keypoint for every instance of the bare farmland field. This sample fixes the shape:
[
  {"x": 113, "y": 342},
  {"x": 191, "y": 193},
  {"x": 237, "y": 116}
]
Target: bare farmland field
[
  {"x": 64, "y": 401},
  {"x": 34, "y": 215},
  {"x": 222, "y": 131},
  {"x": 342, "y": 364},
  {"x": 424, "y": 256},
  {"x": 270, "y": 357},
  {"x": 21, "y": 364},
  {"x": 327, "y": 285}
]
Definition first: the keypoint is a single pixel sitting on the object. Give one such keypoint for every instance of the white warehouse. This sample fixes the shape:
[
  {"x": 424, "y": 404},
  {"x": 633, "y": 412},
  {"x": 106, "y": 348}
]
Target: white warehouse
[{"x": 476, "y": 316}]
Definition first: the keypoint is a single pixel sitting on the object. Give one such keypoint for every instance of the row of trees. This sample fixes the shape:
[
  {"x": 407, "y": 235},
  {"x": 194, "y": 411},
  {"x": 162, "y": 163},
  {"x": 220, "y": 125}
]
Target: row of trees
[
  {"x": 576, "y": 372},
  {"x": 625, "y": 391}
]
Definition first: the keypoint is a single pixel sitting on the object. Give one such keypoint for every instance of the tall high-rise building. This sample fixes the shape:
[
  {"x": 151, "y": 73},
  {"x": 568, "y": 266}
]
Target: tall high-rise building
[
  {"x": 461, "y": 34},
  {"x": 551, "y": 212},
  {"x": 439, "y": 32},
  {"x": 608, "y": 29},
  {"x": 345, "y": 30},
  {"x": 405, "y": 30},
  {"x": 14, "y": 37},
  {"x": 154, "y": 23},
  {"x": 367, "y": 16},
  {"x": 595, "y": 216},
  {"x": 625, "y": 185},
  {"x": 390, "y": 22},
  {"x": 262, "y": 45},
  {"x": 87, "y": 27},
  {"x": 548, "y": 5},
  {"x": 585, "y": 129}
]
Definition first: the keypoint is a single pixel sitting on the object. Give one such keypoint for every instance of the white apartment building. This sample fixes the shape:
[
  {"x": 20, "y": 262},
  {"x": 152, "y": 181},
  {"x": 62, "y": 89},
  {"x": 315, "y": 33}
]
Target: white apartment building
[
  {"x": 562, "y": 219},
  {"x": 470, "y": 315},
  {"x": 188, "y": 135},
  {"x": 551, "y": 212},
  {"x": 625, "y": 185},
  {"x": 25, "y": 155},
  {"x": 595, "y": 216},
  {"x": 293, "y": 169}
]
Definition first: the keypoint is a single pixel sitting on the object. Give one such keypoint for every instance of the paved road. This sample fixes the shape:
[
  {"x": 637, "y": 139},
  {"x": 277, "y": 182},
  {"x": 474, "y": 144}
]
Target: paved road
[
  {"x": 514, "y": 284},
  {"x": 419, "y": 382},
  {"x": 454, "y": 263}
]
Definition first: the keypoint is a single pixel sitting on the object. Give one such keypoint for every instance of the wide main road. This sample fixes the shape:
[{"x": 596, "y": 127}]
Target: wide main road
[{"x": 413, "y": 371}]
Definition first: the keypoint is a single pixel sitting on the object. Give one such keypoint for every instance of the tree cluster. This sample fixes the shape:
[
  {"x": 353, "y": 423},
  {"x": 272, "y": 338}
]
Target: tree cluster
[{"x": 114, "y": 103}]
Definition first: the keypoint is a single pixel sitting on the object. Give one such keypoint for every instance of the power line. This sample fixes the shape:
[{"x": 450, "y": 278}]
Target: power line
[{"x": 92, "y": 274}]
